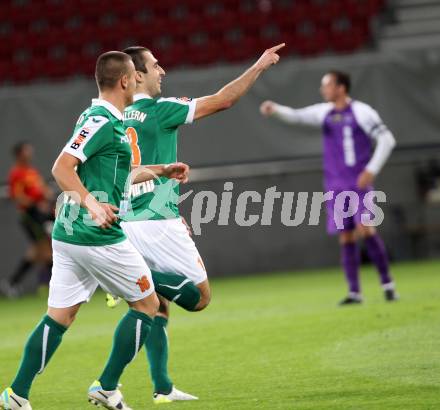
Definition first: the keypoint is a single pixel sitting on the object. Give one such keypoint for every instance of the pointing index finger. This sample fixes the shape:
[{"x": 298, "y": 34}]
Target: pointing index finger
[{"x": 276, "y": 48}]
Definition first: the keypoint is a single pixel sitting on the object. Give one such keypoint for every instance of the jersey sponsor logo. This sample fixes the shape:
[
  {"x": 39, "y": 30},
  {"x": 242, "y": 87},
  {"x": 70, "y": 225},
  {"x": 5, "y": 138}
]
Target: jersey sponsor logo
[
  {"x": 141, "y": 188},
  {"x": 184, "y": 99},
  {"x": 83, "y": 134},
  {"x": 143, "y": 283},
  {"x": 337, "y": 118}
]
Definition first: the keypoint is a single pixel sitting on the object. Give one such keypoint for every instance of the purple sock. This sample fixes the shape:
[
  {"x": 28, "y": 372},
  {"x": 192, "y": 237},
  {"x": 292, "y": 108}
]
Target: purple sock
[
  {"x": 350, "y": 262},
  {"x": 378, "y": 255}
]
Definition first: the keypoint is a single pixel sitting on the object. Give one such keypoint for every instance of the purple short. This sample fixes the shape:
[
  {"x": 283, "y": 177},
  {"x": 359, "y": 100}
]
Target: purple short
[{"x": 346, "y": 208}]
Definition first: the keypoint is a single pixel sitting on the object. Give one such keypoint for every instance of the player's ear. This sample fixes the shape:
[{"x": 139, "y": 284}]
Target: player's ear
[
  {"x": 138, "y": 77},
  {"x": 124, "y": 81}
]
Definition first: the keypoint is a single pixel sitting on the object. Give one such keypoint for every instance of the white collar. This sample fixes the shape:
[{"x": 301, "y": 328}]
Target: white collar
[
  {"x": 141, "y": 96},
  {"x": 109, "y": 106}
]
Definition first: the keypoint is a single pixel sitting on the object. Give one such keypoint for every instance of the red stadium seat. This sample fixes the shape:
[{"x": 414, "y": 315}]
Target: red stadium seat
[
  {"x": 219, "y": 24},
  {"x": 172, "y": 56},
  {"x": 312, "y": 44},
  {"x": 201, "y": 54},
  {"x": 240, "y": 51},
  {"x": 351, "y": 38},
  {"x": 73, "y": 32},
  {"x": 362, "y": 8},
  {"x": 324, "y": 15},
  {"x": 253, "y": 22}
]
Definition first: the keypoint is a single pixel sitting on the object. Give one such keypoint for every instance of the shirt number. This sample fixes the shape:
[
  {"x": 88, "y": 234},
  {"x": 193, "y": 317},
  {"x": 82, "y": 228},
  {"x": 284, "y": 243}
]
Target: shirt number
[
  {"x": 135, "y": 150},
  {"x": 348, "y": 146}
]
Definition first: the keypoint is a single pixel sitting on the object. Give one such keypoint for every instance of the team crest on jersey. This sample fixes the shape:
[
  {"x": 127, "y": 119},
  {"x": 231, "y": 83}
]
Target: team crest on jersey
[
  {"x": 337, "y": 117},
  {"x": 184, "y": 99},
  {"x": 82, "y": 135}
]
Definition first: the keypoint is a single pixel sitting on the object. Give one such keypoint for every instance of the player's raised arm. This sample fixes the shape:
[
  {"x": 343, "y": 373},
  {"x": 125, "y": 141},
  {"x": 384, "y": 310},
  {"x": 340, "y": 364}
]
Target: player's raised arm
[
  {"x": 232, "y": 92},
  {"x": 64, "y": 172}
]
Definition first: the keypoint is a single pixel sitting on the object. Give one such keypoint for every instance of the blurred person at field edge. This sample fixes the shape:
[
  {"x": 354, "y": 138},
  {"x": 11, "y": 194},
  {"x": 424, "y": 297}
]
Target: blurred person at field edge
[{"x": 33, "y": 198}]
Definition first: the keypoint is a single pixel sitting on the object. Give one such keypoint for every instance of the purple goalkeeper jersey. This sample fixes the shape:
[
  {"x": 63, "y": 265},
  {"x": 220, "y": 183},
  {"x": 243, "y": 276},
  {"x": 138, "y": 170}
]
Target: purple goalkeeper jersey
[{"x": 347, "y": 149}]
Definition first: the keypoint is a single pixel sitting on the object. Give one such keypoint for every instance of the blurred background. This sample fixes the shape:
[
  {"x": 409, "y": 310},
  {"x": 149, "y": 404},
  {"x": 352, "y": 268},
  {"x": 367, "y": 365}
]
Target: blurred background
[{"x": 48, "y": 50}]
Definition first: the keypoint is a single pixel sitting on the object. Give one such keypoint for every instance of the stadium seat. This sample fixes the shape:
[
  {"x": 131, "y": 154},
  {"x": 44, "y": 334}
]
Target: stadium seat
[
  {"x": 202, "y": 32},
  {"x": 362, "y": 8},
  {"x": 351, "y": 39}
]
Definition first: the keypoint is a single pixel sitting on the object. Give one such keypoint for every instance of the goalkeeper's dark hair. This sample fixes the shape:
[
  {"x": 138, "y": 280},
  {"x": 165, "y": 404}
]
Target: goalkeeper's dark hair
[
  {"x": 110, "y": 67},
  {"x": 18, "y": 148},
  {"x": 341, "y": 78},
  {"x": 137, "y": 54}
]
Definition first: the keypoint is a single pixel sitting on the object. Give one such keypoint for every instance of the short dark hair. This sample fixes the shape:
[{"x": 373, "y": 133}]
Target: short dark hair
[
  {"x": 137, "y": 55},
  {"x": 341, "y": 78},
  {"x": 110, "y": 67},
  {"x": 17, "y": 149}
]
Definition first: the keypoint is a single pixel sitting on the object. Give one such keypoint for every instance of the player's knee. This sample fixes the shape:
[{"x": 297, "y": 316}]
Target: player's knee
[
  {"x": 205, "y": 297},
  {"x": 203, "y": 303},
  {"x": 148, "y": 305},
  {"x": 193, "y": 297},
  {"x": 366, "y": 231},
  {"x": 347, "y": 237},
  {"x": 63, "y": 316},
  {"x": 164, "y": 307}
]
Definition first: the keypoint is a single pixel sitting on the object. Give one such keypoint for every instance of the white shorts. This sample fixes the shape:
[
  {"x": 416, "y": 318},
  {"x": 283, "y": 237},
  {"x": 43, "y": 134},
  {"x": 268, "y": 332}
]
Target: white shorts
[
  {"x": 78, "y": 270},
  {"x": 167, "y": 247}
]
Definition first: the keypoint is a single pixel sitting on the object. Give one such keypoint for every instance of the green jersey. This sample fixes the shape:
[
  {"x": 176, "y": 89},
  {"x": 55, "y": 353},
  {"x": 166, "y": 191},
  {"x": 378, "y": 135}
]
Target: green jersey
[
  {"x": 100, "y": 143},
  {"x": 151, "y": 126}
]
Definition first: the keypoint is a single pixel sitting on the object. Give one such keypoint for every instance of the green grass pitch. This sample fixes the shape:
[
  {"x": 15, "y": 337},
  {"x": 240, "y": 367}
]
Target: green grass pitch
[{"x": 267, "y": 342}]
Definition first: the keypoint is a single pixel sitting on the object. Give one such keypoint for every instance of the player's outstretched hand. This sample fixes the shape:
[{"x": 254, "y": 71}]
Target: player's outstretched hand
[
  {"x": 103, "y": 214},
  {"x": 269, "y": 57},
  {"x": 267, "y": 108},
  {"x": 178, "y": 170}
]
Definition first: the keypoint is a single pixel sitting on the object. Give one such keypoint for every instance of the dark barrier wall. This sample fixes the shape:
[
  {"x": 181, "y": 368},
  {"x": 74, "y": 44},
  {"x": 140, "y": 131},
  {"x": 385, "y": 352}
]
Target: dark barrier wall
[
  {"x": 235, "y": 249},
  {"x": 411, "y": 228}
]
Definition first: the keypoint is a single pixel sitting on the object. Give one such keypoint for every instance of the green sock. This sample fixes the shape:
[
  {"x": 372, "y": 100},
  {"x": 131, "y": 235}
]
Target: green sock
[
  {"x": 130, "y": 335},
  {"x": 38, "y": 350},
  {"x": 176, "y": 288},
  {"x": 156, "y": 345}
]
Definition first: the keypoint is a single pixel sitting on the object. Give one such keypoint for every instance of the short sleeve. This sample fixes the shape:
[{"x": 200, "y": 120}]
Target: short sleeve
[
  {"x": 173, "y": 112},
  {"x": 91, "y": 137}
]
